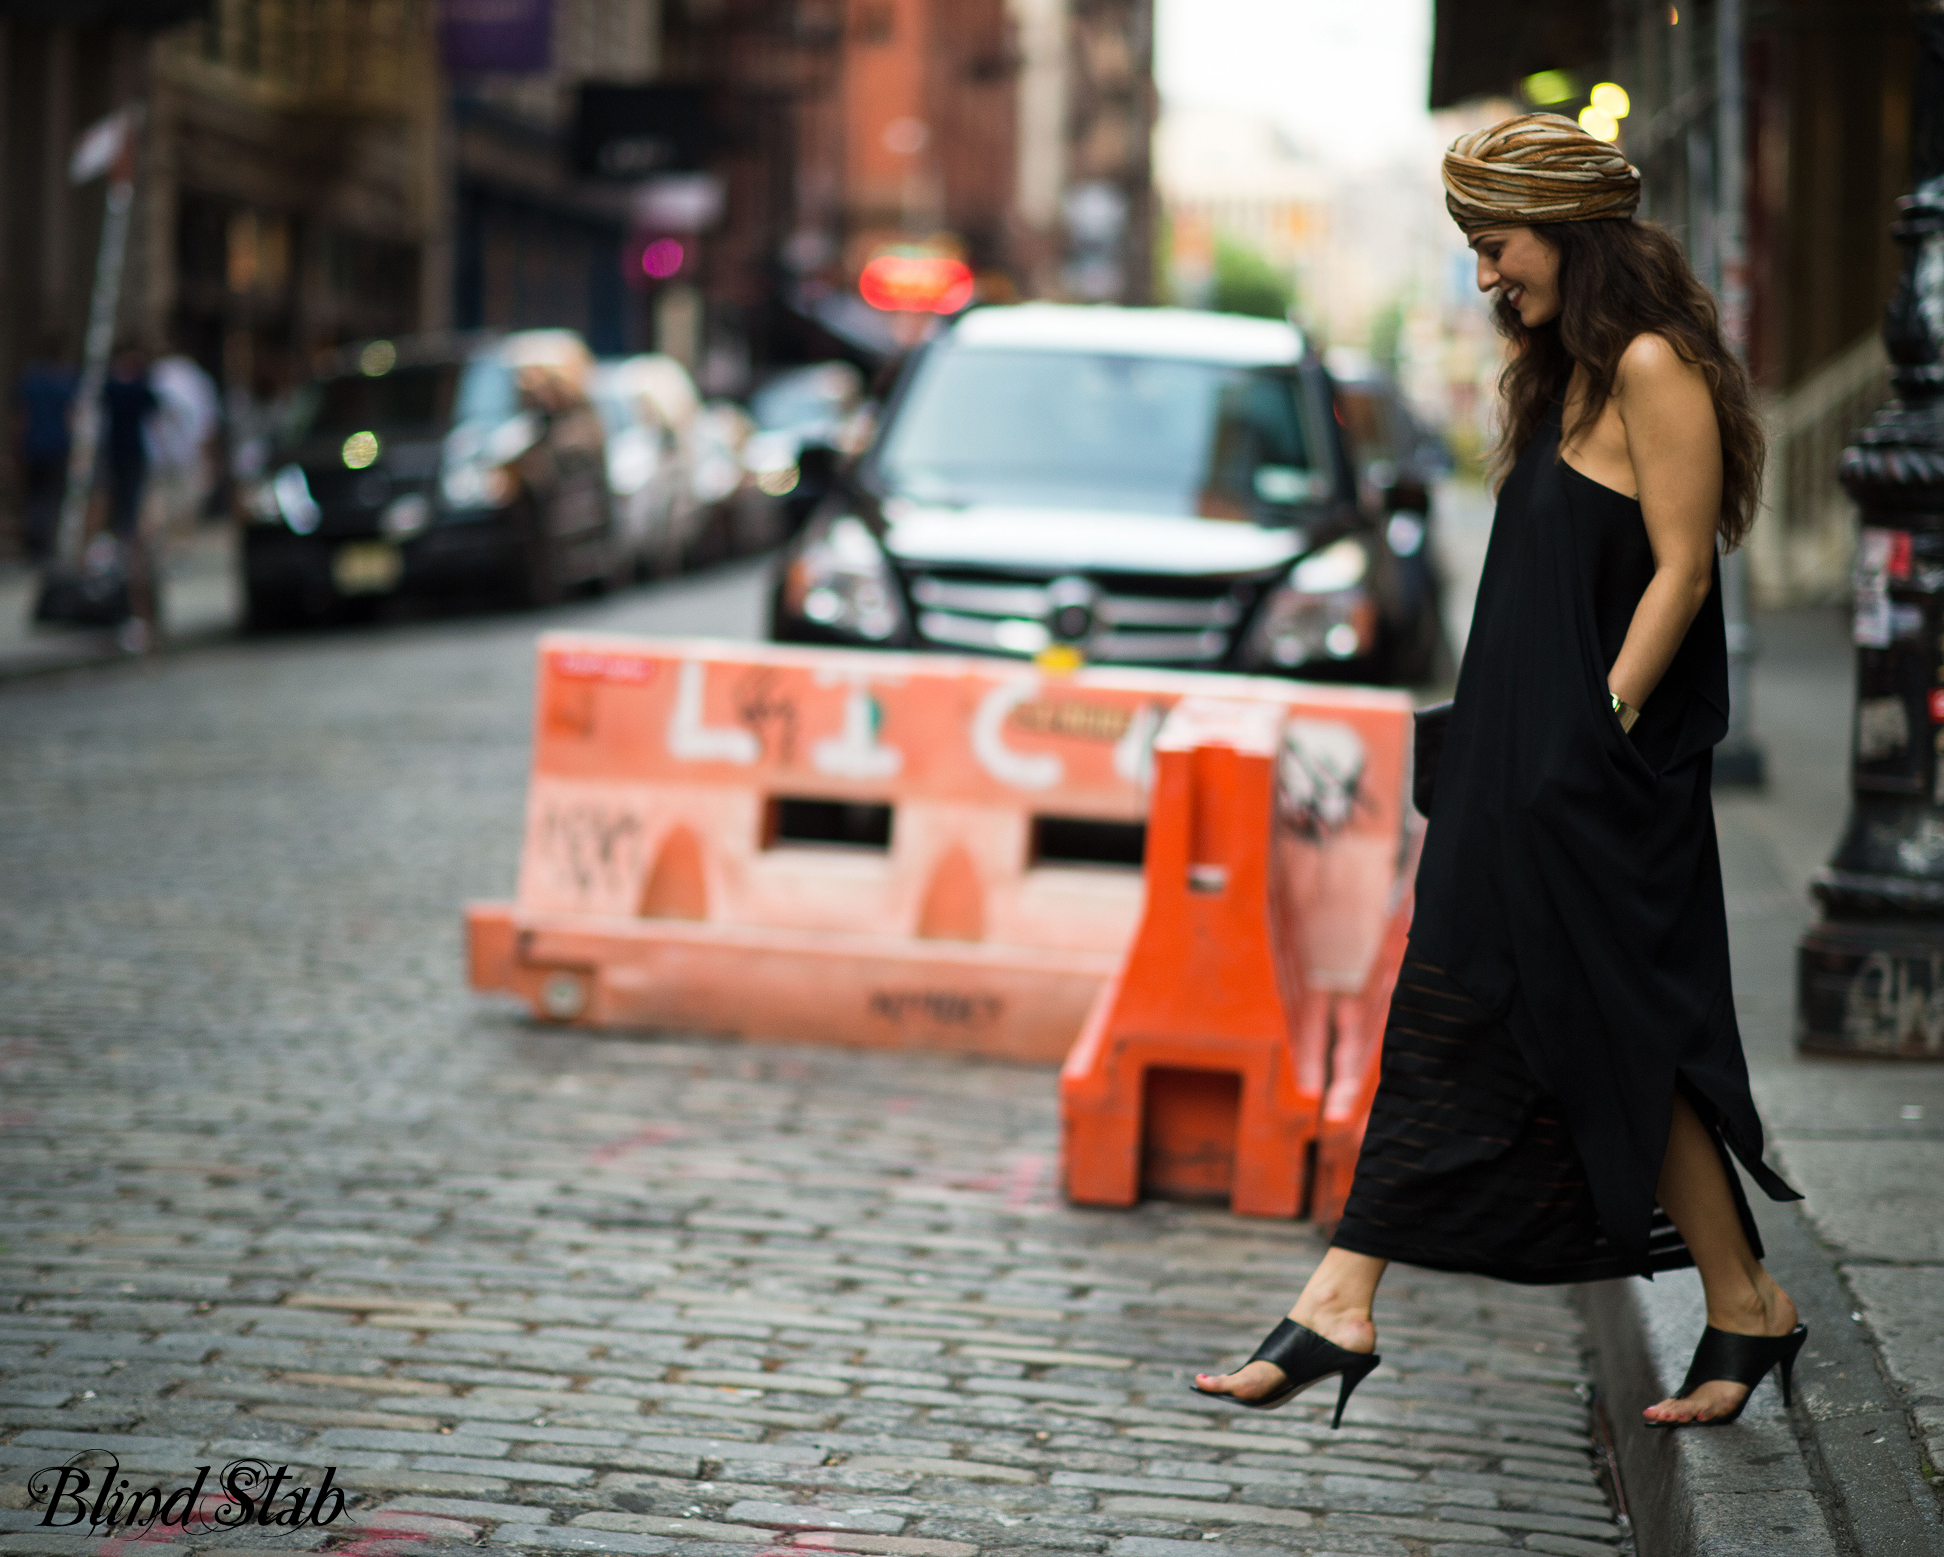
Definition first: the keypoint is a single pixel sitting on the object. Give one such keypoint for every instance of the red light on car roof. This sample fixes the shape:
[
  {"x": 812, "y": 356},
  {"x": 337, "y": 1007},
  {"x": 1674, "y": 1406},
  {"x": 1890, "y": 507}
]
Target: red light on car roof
[{"x": 916, "y": 283}]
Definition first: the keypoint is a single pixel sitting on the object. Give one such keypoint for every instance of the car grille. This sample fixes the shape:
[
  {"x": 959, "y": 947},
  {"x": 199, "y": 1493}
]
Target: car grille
[
  {"x": 1125, "y": 620},
  {"x": 352, "y": 503},
  {"x": 349, "y": 500}
]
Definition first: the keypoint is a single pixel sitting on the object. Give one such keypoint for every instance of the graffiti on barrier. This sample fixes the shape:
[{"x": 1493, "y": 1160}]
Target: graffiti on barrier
[
  {"x": 1018, "y": 707},
  {"x": 767, "y": 711},
  {"x": 941, "y": 1008},
  {"x": 594, "y": 849},
  {"x": 1320, "y": 776}
]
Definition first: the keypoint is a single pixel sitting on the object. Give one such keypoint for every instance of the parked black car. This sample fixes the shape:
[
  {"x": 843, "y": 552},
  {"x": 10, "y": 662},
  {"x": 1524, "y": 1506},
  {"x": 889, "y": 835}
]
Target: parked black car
[
  {"x": 1398, "y": 461},
  {"x": 1138, "y": 486},
  {"x": 803, "y": 417},
  {"x": 442, "y": 464}
]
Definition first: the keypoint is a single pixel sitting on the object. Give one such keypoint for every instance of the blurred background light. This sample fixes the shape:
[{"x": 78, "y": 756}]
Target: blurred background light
[
  {"x": 907, "y": 137},
  {"x": 378, "y": 359},
  {"x": 662, "y": 258},
  {"x": 1549, "y": 86},
  {"x": 1611, "y": 99},
  {"x": 1599, "y": 124}
]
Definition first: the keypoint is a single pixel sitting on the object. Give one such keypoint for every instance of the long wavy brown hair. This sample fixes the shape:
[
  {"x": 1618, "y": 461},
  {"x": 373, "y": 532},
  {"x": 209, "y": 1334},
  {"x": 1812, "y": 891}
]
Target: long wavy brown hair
[{"x": 1619, "y": 280}]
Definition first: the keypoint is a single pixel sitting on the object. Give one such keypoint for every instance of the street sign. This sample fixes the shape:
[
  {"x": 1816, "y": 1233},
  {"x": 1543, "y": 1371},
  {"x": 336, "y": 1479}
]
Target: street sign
[
  {"x": 107, "y": 146},
  {"x": 679, "y": 202},
  {"x": 916, "y": 283},
  {"x": 102, "y": 145},
  {"x": 148, "y": 15},
  {"x": 638, "y": 132}
]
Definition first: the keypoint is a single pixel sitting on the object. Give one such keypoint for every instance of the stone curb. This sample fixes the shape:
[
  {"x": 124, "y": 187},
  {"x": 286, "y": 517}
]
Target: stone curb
[
  {"x": 87, "y": 650},
  {"x": 1839, "y": 1475}
]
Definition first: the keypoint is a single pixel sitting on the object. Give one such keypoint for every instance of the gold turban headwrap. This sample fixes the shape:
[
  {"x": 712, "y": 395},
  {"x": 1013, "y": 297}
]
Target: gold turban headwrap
[{"x": 1536, "y": 168}]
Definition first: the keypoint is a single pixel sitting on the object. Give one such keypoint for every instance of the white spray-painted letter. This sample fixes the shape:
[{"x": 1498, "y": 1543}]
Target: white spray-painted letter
[
  {"x": 1134, "y": 751},
  {"x": 855, "y": 751},
  {"x": 693, "y": 741},
  {"x": 1022, "y": 770}
]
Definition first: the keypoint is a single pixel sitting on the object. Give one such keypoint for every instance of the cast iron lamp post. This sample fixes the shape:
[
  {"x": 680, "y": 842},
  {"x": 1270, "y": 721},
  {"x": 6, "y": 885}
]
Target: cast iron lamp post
[{"x": 1870, "y": 975}]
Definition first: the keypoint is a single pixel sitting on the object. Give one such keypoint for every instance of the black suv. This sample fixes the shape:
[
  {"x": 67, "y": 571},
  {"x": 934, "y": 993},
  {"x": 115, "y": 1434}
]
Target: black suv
[
  {"x": 1130, "y": 486},
  {"x": 435, "y": 465}
]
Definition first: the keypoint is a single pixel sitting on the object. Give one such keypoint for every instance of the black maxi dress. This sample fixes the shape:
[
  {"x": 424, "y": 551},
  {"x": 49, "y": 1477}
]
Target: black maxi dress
[{"x": 1568, "y": 962}]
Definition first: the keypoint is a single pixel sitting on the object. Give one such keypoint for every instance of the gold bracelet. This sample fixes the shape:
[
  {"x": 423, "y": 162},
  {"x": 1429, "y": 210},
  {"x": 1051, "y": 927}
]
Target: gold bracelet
[{"x": 1626, "y": 713}]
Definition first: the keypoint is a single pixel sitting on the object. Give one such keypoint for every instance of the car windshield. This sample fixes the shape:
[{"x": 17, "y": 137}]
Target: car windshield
[
  {"x": 1079, "y": 430},
  {"x": 806, "y": 398},
  {"x": 425, "y": 399},
  {"x": 488, "y": 392},
  {"x": 617, "y": 415}
]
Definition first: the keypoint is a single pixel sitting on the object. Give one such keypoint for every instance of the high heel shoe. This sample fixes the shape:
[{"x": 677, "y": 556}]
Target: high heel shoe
[
  {"x": 1307, "y": 1359},
  {"x": 1725, "y": 1356}
]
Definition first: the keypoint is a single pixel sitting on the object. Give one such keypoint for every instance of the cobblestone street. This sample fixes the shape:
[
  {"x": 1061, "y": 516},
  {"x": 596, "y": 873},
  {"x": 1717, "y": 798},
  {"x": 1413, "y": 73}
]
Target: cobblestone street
[{"x": 277, "y": 1186}]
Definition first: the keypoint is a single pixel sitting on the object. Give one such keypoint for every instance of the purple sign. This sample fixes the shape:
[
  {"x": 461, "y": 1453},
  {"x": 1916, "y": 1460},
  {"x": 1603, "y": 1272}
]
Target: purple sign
[{"x": 479, "y": 37}]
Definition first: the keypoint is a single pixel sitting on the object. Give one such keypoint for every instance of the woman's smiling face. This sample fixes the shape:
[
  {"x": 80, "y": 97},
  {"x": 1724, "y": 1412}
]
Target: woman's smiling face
[{"x": 1520, "y": 264}]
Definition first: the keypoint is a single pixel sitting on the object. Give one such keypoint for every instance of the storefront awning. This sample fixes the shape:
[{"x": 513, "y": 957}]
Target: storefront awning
[
  {"x": 103, "y": 13},
  {"x": 1484, "y": 48}
]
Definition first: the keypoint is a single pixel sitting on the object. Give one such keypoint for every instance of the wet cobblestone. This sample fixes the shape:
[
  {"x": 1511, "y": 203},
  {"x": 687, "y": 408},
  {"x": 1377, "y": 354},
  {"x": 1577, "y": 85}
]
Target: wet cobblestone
[{"x": 275, "y": 1185}]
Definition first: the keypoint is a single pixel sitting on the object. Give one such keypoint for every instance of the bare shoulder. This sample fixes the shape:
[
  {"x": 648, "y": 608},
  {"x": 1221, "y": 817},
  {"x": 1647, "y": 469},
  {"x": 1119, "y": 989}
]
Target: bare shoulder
[{"x": 1651, "y": 368}]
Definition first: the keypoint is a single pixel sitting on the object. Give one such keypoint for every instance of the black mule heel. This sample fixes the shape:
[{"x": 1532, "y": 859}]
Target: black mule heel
[
  {"x": 1739, "y": 1359},
  {"x": 1307, "y": 1359}
]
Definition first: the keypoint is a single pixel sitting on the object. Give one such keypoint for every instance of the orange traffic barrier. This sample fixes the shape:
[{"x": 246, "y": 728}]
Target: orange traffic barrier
[
  {"x": 1185, "y": 1080},
  {"x": 1218, "y": 1056},
  {"x": 844, "y": 846}
]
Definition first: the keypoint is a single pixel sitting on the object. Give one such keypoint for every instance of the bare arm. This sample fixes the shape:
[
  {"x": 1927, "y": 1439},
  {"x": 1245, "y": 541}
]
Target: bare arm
[{"x": 1668, "y": 411}]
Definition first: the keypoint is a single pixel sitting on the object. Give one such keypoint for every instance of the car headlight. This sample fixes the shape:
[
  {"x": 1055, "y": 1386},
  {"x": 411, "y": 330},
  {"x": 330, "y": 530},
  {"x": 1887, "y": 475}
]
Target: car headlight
[
  {"x": 772, "y": 459},
  {"x": 1405, "y": 533},
  {"x": 841, "y": 579},
  {"x": 405, "y": 516},
  {"x": 1322, "y": 611},
  {"x": 284, "y": 499}
]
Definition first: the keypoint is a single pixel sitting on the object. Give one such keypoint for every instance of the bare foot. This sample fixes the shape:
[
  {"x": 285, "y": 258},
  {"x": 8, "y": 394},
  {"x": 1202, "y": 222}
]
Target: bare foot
[
  {"x": 1349, "y": 1328},
  {"x": 1768, "y": 1313}
]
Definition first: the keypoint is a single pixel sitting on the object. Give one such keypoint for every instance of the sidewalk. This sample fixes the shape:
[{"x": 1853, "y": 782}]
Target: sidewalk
[
  {"x": 1854, "y": 1468},
  {"x": 200, "y": 601}
]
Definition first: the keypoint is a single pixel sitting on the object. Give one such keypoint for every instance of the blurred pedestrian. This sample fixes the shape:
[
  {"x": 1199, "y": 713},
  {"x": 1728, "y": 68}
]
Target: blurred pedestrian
[
  {"x": 1563, "y": 1081},
  {"x": 128, "y": 403},
  {"x": 44, "y": 408},
  {"x": 181, "y": 441}
]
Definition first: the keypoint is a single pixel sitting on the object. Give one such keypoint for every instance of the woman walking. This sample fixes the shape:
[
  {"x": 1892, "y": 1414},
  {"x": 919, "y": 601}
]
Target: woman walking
[{"x": 1563, "y": 1080}]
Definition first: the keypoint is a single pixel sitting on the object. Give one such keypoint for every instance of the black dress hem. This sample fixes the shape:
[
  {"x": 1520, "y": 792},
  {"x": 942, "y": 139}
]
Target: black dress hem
[
  {"x": 1467, "y": 1164},
  {"x": 1530, "y": 1276},
  {"x": 1666, "y": 1249}
]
